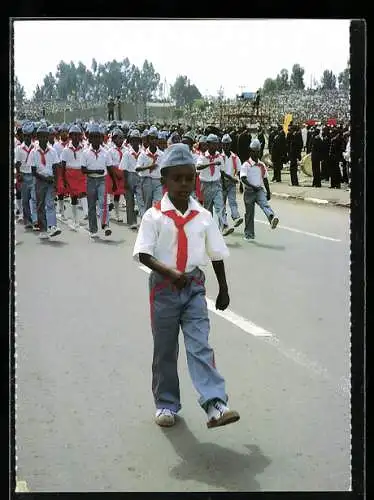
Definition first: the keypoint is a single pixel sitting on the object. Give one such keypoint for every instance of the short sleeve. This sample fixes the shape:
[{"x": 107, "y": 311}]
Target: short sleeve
[
  {"x": 108, "y": 159},
  {"x": 147, "y": 235},
  {"x": 17, "y": 155},
  {"x": 54, "y": 158},
  {"x": 140, "y": 162},
  {"x": 243, "y": 170},
  {"x": 65, "y": 155},
  {"x": 215, "y": 244},
  {"x": 31, "y": 159}
]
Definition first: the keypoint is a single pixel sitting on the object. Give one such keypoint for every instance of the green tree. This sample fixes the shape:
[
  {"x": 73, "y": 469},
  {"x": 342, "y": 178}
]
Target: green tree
[
  {"x": 149, "y": 81},
  {"x": 19, "y": 91},
  {"x": 183, "y": 93},
  {"x": 344, "y": 78},
  {"x": 282, "y": 80},
  {"x": 297, "y": 77},
  {"x": 328, "y": 80},
  {"x": 269, "y": 86}
]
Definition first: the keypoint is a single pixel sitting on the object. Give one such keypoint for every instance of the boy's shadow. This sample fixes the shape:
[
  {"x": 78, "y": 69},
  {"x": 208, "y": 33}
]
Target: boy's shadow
[{"x": 213, "y": 464}]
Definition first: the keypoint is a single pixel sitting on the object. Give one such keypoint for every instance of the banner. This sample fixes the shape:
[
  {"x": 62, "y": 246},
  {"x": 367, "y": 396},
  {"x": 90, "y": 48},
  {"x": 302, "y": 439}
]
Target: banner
[
  {"x": 331, "y": 122},
  {"x": 287, "y": 121}
]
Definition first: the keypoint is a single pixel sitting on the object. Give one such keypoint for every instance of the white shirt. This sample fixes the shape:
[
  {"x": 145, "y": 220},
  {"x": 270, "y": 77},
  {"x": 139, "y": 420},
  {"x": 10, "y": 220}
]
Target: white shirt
[
  {"x": 158, "y": 236},
  {"x": 59, "y": 147},
  {"x": 255, "y": 172},
  {"x": 98, "y": 160},
  {"x": 231, "y": 164},
  {"x": 22, "y": 155},
  {"x": 347, "y": 152},
  {"x": 73, "y": 161},
  {"x": 147, "y": 158},
  {"x": 51, "y": 158},
  {"x": 206, "y": 175},
  {"x": 116, "y": 155},
  {"x": 129, "y": 160}
]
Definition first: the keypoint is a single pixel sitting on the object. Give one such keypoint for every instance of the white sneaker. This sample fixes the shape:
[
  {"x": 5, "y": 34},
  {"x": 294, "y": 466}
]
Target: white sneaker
[
  {"x": 94, "y": 235},
  {"x": 75, "y": 226},
  {"x": 219, "y": 414},
  {"x": 44, "y": 236},
  {"x": 134, "y": 226},
  {"x": 118, "y": 219},
  {"x": 165, "y": 417},
  {"x": 248, "y": 239},
  {"x": 54, "y": 231}
]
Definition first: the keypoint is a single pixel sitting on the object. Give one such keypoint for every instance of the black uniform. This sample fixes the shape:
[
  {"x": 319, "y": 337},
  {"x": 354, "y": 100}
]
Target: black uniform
[
  {"x": 295, "y": 146},
  {"x": 110, "y": 110},
  {"x": 309, "y": 140},
  {"x": 261, "y": 138},
  {"x": 278, "y": 154},
  {"x": 335, "y": 155},
  {"x": 325, "y": 169},
  {"x": 317, "y": 155}
]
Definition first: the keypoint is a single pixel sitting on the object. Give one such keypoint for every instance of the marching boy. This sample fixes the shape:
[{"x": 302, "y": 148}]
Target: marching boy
[
  {"x": 176, "y": 237},
  {"x": 254, "y": 176}
]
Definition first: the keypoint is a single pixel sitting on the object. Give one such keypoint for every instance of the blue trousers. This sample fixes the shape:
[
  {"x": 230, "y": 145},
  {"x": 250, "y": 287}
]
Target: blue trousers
[
  {"x": 29, "y": 199},
  {"x": 229, "y": 193},
  {"x": 45, "y": 196},
  {"x": 171, "y": 310},
  {"x": 213, "y": 197},
  {"x": 133, "y": 191},
  {"x": 250, "y": 198},
  {"x": 152, "y": 191},
  {"x": 96, "y": 193}
]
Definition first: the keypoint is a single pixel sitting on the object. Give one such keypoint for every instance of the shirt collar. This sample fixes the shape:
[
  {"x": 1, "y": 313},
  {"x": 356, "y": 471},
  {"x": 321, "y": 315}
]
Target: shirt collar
[
  {"x": 158, "y": 151},
  {"x": 96, "y": 150},
  {"x": 166, "y": 205}
]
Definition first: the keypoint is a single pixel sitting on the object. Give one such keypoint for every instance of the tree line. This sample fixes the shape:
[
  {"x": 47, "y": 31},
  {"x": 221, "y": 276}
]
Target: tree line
[
  {"x": 295, "y": 81},
  {"x": 76, "y": 82}
]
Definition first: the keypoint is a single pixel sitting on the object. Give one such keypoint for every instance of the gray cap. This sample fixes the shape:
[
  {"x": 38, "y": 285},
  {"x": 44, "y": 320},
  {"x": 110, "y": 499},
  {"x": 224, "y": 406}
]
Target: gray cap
[
  {"x": 255, "y": 145},
  {"x": 135, "y": 133},
  {"x": 212, "y": 138},
  {"x": 117, "y": 131},
  {"x": 42, "y": 129},
  {"x": 177, "y": 155},
  {"x": 64, "y": 127},
  {"x": 28, "y": 128},
  {"x": 226, "y": 139},
  {"x": 94, "y": 128},
  {"x": 189, "y": 135},
  {"x": 202, "y": 139},
  {"x": 51, "y": 129},
  {"x": 145, "y": 133},
  {"x": 153, "y": 132},
  {"x": 75, "y": 129}
]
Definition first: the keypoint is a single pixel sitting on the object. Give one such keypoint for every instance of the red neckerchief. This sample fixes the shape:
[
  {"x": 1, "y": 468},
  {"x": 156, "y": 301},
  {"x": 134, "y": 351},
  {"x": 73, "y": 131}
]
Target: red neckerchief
[
  {"x": 259, "y": 164},
  {"x": 75, "y": 150},
  {"x": 154, "y": 156},
  {"x": 27, "y": 151},
  {"x": 211, "y": 160},
  {"x": 42, "y": 155},
  {"x": 135, "y": 154},
  {"x": 95, "y": 151},
  {"x": 182, "y": 242},
  {"x": 64, "y": 144},
  {"x": 120, "y": 153}
]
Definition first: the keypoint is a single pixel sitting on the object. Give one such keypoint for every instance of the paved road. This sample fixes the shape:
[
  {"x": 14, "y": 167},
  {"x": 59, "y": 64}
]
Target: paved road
[{"x": 84, "y": 406}]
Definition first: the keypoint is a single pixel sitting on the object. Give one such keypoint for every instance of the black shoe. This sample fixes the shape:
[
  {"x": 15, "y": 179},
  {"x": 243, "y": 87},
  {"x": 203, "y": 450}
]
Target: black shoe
[{"x": 111, "y": 206}]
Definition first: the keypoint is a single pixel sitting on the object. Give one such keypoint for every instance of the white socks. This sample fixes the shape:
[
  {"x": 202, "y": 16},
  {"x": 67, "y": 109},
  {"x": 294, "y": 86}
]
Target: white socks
[
  {"x": 84, "y": 206},
  {"x": 61, "y": 206},
  {"x": 116, "y": 209},
  {"x": 19, "y": 205},
  {"x": 74, "y": 210}
]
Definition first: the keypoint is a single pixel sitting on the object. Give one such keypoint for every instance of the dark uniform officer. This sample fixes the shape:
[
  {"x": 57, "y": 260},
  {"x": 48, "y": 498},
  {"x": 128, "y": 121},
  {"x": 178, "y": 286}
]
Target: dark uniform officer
[
  {"x": 316, "y": 156},
  {"x": 278, "y": 153},
  {"x": 294, "y": 146},
  {"x": 335, "y": 155}
]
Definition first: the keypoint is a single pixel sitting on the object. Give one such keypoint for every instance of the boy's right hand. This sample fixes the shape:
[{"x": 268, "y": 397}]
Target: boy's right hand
[{"x": 178, "y": 279}]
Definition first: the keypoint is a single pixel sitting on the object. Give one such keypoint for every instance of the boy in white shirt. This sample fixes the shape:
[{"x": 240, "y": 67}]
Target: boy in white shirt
[
  {"x": 95, "y": 163},
  {"x": 24, "y": 173},
  {"x": 148, "y": 167},
  {"x": 44, "y": 163},
  {"x": 175, "y": 238},
  {"x": 230, "y": 171},
  {"x": 116, "y": 151},
  {"x": 132, "y": 180},
  {"x": 209, "y": 166},
  {"x": 254, "y": 176}
]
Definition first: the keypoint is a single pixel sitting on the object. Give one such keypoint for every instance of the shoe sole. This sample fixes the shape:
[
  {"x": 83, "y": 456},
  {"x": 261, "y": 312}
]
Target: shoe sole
[
  {"x": 238, "y": 222},
  {"x": 274, "y": 223},
  {"x": 229, "y": 231},
  {"x": 229, "y": 417}
]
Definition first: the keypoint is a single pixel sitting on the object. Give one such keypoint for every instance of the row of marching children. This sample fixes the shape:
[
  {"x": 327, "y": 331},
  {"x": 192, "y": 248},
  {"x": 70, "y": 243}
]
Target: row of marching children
[{"x": 96, "y": 170}]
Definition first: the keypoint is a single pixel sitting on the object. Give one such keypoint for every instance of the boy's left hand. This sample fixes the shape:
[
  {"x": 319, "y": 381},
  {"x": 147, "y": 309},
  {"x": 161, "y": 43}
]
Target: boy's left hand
[{"x": 223, "y": 300}]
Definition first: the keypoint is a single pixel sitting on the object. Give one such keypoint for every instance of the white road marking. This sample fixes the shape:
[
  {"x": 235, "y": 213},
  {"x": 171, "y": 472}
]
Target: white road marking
[
  {"x": 230, "y": 316},
  {"x": 294, "y": 230},
  {"x": 317, "y": 200}
]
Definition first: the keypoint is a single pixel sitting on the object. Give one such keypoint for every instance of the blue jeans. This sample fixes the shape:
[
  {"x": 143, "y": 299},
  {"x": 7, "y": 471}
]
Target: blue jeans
[
  {"x": 229, "y": 193},
  {"x": 133, "y": 191},
  {"x": 212, "y": 195},
  {"x": 29, "y": 199},
  {"x": 251, "y": 197},
  {"x": 172, "y": 310},
  {"x": 152, "y": 191},
  {"x": 96, "y": 193},
  {"x": 45, "y": 200}
]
